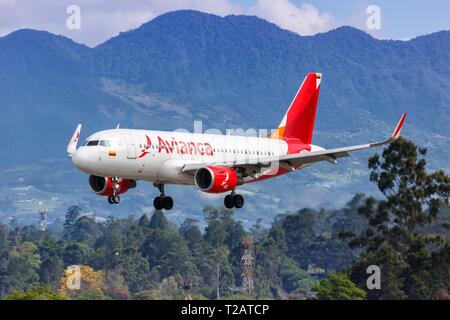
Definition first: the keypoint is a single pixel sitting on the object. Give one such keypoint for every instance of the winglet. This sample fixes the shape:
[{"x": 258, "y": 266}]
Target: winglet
[
  {"x": 72, "y": 146},
  {"x": 398, "y": 128}
]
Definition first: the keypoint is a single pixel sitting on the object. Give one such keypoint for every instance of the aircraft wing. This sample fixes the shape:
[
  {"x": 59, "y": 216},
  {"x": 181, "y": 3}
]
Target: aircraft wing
[{"x": 294, "y": 161}]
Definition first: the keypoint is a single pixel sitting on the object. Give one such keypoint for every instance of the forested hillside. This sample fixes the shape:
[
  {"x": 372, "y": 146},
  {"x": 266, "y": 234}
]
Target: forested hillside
[{"x": 153, "y": 258}]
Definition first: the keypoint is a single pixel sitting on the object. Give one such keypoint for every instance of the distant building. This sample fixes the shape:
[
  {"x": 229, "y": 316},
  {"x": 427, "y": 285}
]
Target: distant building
[{"x": 315, "y": 270}]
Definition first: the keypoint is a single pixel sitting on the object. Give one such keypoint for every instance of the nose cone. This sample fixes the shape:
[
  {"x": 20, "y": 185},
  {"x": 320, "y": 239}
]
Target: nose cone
[{"x": 82, "y": 159}]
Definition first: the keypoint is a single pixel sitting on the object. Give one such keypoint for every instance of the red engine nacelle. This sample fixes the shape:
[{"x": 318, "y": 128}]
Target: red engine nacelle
[
  {"x": 215, "y": 179},
  {"x": 104, "y": 186}
]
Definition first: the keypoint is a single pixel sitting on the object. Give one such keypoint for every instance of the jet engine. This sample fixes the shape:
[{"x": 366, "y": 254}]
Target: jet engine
[
  {"x": 104, "y": 186},
  {"x": 216, "y": 179}
]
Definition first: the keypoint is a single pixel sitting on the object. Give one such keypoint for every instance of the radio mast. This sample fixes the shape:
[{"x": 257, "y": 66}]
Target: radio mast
[
  {"x": 42, "y": 219},
  {"x": 247, "y": 267}
]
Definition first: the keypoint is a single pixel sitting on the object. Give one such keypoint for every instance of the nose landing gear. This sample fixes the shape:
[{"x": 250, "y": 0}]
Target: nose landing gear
[
  {"x": 234, "y": 200},
  {"x": 115, "y": 198},
  {"x": 162, "y": 202}
]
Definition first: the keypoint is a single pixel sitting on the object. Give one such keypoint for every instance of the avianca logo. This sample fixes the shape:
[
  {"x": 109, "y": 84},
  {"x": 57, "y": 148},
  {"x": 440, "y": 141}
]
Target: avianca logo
[
  {"x": 145, "y": 151},
  {"x": 184, "y": 147},
  {"x": 224, "y": 183},
  {"x": 76, "y": 137}
]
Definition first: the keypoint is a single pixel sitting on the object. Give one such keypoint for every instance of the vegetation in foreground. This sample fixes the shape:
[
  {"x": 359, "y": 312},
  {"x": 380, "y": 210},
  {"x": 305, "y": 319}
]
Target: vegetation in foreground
[{"x": 406, "y": 234}]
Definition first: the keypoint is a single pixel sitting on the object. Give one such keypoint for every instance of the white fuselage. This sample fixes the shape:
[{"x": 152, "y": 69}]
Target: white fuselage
[{"x": 158, "y": 156}]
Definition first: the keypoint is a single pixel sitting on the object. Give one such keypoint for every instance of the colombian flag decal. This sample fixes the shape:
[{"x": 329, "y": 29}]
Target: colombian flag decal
[{"x": 112, "y": 153}]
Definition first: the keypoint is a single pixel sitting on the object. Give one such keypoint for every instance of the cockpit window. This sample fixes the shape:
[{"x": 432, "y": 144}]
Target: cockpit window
[
  {"x": 101, "y": 143},
  {"x": 92, "y": 143}
]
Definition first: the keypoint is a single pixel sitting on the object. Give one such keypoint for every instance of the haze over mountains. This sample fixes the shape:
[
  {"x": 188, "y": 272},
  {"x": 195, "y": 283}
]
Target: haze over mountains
[{"x": 236, "y": 71}]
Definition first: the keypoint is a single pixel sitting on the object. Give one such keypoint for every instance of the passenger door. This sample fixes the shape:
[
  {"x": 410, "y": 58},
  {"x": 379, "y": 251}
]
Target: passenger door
[{"x": 131, "y": 146}]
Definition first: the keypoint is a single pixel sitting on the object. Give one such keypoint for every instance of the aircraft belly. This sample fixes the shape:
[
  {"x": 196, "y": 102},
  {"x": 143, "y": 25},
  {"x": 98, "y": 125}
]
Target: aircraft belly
[{"x": 169, "y": 172}]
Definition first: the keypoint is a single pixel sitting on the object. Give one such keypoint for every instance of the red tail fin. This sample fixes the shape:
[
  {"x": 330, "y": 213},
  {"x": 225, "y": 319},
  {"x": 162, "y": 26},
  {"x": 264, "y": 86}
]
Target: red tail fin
[{"x": 298, "y": 122}]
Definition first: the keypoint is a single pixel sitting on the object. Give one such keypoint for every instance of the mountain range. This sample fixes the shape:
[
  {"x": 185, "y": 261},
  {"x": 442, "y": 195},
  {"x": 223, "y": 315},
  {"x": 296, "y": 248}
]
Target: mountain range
[{"x": 229, "y": 72}]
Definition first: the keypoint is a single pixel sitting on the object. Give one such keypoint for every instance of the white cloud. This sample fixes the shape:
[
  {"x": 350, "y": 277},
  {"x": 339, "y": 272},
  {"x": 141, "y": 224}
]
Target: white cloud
[
  {"x": 103, "y": 19},
  {"x": 304, "y": 20}
]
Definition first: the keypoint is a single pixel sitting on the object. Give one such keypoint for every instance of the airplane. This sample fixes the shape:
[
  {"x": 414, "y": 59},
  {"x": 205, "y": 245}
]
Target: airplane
[{"x": 115, "y": 159}]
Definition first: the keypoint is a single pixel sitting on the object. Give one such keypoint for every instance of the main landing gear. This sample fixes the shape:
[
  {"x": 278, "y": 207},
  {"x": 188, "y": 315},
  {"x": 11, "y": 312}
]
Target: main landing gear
[
  {"x": 234, "y": 200},
  {"x": 162, "y": 202}
]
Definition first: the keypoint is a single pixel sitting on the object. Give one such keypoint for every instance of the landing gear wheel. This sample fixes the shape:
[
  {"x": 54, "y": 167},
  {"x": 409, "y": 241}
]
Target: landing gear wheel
[
  {"x": 162, "y": 202},
  {"x": 167, "y": 203},
  {"x": 157, "y": 203},
  {"x": 228, "y": 201},
  {"x": 115, "y": 199},
  {"x": 233, "y": 201},
  {"x": 238, "y": 201},
  {"x": 110, "y": 200}
]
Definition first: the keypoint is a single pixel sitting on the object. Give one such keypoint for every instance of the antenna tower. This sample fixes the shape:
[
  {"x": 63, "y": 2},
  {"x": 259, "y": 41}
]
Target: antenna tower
[
  {"x": 247, "y": 267},
  {"x": 42, "y": 220}
]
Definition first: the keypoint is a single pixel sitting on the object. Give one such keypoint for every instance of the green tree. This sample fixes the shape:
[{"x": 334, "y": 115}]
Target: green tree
[
  {"x": 394, "y": 239},
  {"x": 7, "y": 279},
  {"x": 76, "y": 253},
  {"x": 24, "y": 263},
  {"x": 294, "y": 278},
  {"x": 277, "y": 274},
  {"x": 71, "y": 217},
  {"x": 144, "y": 221},
  {"x": 268, "y": 256},
  {"x": 166, "y": 250},
  {"x": 4, "y": 234},
  {"x": 310, "y": 239},
  {"x": 40, "y": 292},
  {"x": 215, "y": 230},
  {"x": 158, "y": 220},
  {"x": 85, "y": 229},
  {"x": 191, "y": 232},
  {"x": 111, "y": 240},
  {"x": 136, "y": 271},
  {"x": 52, "y": 266},
  {"x": 337, "y": 286}
]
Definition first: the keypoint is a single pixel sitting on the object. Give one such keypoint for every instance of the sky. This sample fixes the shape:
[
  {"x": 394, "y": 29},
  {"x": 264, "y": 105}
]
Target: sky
[{"x": 93, "y": 21}]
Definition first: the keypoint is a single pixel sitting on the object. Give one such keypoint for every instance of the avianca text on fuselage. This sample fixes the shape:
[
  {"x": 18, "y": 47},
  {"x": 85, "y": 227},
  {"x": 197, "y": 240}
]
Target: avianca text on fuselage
[
  {"x": 184, "y": 147},
  {"x": 115, "y": 159}
]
